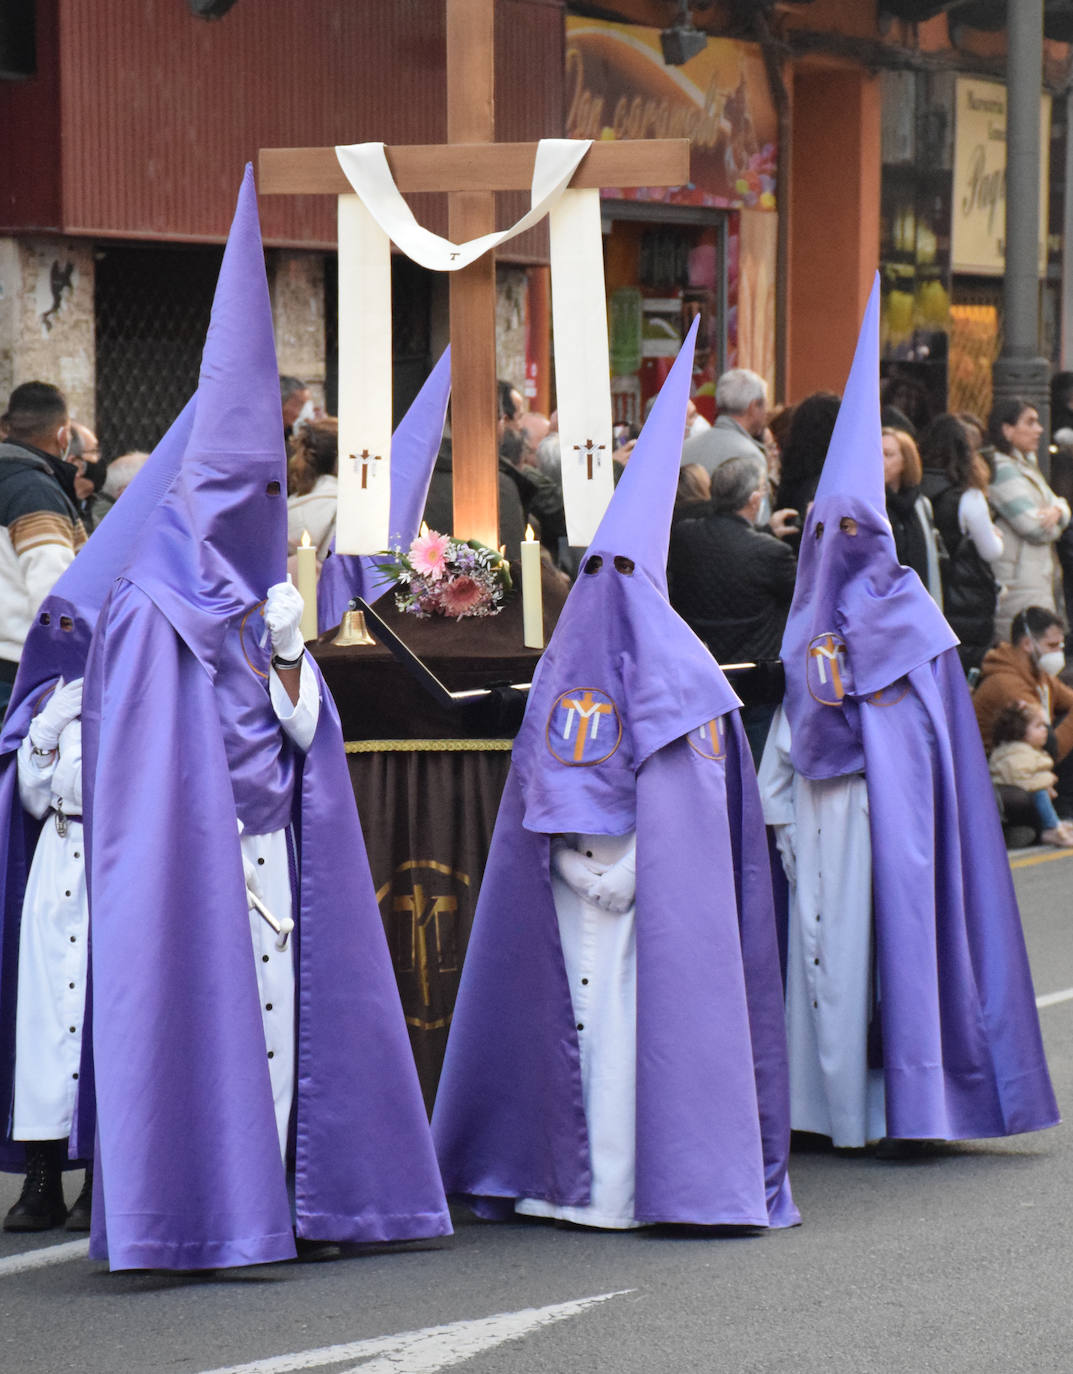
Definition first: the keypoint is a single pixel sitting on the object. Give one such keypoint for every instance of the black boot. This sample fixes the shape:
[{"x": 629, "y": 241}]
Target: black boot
[
  {"x": 40, "y": 1206},
  {"x": 78, "y": 1218}
]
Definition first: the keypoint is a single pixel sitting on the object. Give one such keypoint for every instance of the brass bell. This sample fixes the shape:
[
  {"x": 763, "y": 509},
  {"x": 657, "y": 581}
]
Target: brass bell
[{"x": 353, "y": 630}]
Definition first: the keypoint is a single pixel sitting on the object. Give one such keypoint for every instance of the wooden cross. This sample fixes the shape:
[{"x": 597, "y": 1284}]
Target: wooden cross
[
  {"x": 471, "y": 167},
  {"x": 365, "y": 458},
  {"x": 590, "y": 450}
]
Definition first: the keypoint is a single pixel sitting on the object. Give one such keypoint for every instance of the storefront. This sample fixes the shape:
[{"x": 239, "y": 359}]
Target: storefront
[
  {"x": 942, "y": 249},
  {"x": 707, "y": 248}
]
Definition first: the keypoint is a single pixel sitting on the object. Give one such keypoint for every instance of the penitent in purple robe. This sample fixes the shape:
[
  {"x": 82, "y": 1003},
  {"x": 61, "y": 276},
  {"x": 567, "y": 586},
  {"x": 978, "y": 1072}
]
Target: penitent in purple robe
[
  {"x": 873, "y": 684},
  {"x": 414, "y": 446},
  {"x": 180, "y": 737},
  {"x": 654, "y": 745},
  {"x": 56, "y": 647}
]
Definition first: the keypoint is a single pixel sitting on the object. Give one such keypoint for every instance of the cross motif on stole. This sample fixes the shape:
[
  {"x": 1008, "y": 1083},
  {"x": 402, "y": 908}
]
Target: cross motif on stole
[
  {"x": 589, "y": 713},
  {"x": 590, "y": 451},
  {"x": 364, "y": 458}
]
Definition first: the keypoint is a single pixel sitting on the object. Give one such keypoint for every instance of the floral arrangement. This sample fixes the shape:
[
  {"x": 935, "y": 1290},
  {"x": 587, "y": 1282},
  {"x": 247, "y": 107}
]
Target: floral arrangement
[{"x": 438, "y": 575}]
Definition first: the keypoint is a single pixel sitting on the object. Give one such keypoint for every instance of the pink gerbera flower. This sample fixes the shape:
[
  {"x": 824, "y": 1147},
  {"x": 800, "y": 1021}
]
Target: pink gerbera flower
[
  {"x": 428, "y": 554},
  {"x": 462, "y": 594}
]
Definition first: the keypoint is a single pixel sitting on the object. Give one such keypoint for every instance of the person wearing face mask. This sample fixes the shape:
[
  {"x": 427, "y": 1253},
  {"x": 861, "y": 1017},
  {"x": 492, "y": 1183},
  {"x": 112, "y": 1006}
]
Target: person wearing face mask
[
  {"x": 84, "y": 455},
  {"x": 40, "y": 529},
  {"x": 1029, "y": 516},
  {"x": 1026, "y": 669}
]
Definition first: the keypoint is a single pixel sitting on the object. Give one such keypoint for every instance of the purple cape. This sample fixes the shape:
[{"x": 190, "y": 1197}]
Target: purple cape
[
  {"x": 962, "y": 1051},
  {"x": 712, "y": 1114},
  {"x": 57, "y": 646},
  {"x": 961, "y": 1046},
  {"x": 189, "y": 1164},
  {"x": 630, "y": 725},
  {"x": 179, "y": 738}
]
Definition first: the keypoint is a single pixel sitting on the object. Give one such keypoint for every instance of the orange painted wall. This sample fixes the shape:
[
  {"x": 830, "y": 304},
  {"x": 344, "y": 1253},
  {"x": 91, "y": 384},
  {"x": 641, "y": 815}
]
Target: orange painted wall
[{"x": 834, "y": 222}]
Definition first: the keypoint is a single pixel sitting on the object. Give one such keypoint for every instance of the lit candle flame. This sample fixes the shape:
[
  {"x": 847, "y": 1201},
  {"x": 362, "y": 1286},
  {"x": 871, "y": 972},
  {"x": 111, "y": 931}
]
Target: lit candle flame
[
  {"x": 305, "y": 540},
  {"x": 529, "y": 533},
  {"x": 424, "y": 528}
]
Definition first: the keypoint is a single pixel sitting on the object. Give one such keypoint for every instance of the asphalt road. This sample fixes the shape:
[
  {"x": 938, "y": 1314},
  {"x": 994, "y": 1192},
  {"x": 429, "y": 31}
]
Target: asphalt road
[{"x": 956, "y": 1262}]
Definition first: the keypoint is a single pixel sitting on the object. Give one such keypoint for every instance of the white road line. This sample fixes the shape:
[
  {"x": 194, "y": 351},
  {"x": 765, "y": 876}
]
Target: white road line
[
  {"x": 38, "y": 1259},
  {"x": 1051, "y": 999},
  {"x": 425, "y": 1351}
]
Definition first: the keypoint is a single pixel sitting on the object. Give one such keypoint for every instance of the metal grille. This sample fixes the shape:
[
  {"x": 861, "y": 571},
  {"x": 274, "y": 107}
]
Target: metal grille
[
  {"x": 975, "y": 343},
  {"x": 152, "y": 308}
]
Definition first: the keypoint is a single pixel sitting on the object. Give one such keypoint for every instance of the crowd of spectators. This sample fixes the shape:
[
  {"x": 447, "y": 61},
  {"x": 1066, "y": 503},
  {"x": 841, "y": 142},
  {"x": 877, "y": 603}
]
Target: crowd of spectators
[{"x": 969, "y": 506}]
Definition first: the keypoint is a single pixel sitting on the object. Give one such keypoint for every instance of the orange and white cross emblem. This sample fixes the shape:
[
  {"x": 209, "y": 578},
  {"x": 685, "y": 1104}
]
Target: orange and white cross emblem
[
  {"x": 829, "y": 655},
  {"x": 588, "y": 713}
]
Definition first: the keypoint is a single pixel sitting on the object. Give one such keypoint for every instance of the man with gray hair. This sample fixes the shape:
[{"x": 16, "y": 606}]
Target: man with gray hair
[
  {"x": 118, "y": 476},
  {"x": 741, "y": 398},
  {"x": 731, "y": 582}
]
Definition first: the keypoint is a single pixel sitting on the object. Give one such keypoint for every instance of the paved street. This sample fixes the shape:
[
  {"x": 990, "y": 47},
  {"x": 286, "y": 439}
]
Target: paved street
[{"x": 956, "y": 1262}]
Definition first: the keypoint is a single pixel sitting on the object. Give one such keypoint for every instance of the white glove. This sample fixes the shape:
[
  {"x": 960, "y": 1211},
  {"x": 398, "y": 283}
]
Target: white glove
[
  {"x": 283, "y": 616},
  {"x": 63, "y": 706},
  {"x": 577, "y": 872},
  {"x": 786, "y": 840},
  {"x": 614, "y": 891}
]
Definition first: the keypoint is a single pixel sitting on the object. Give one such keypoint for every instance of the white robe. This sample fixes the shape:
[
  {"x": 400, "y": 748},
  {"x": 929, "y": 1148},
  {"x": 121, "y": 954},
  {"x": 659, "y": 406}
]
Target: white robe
[
  {"x": 52, "y": 942},
  {"x": 52, "y": 945},
  {"x": 600, "y": 953},
  {"x": 829, "y": 958}
]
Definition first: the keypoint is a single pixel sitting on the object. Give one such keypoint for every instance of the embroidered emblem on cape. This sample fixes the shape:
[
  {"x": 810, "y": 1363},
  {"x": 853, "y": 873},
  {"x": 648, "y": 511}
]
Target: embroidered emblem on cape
[
  {"x": 584, "y": 727},
  {"x": 890, "y": 696},
  {"x": 253, "y": 637},
  {"x": 709, "y": 740},
  {"x": 827, "y": 669}
]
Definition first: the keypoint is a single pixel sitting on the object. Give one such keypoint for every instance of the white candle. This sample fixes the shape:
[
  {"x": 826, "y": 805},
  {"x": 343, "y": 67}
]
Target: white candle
[
  {"x": 307, "y": 585},
  {"x": 532, "y": 595}
]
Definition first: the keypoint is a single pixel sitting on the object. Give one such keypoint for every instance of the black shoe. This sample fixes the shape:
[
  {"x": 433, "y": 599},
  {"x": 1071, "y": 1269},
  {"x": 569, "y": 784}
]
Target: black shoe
[
  {"x": 78, "y": 1218},
  {"x": 40, "y": 1206},
  {"x": 316, "y": 1251}
]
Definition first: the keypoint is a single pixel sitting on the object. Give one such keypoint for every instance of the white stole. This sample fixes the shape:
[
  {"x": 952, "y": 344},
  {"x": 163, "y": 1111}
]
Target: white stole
[{"x": 377, "y": 216}]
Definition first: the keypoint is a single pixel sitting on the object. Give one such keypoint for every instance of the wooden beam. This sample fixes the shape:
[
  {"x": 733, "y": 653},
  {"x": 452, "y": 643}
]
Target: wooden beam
[
  {"x": 476, "y": 166},
  {"x": 471, "y": 213}
]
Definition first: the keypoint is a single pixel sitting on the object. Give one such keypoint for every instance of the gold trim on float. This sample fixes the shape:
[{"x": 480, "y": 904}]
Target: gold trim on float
[{"x": 415, "y": 746}]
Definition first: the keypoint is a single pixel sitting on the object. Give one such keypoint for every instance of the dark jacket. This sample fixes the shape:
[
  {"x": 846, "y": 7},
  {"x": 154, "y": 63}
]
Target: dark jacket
[
  {"x": 970, "y": 591},
  {"x": 732, "y": 584},
  {"x": 439, "y": 505}
]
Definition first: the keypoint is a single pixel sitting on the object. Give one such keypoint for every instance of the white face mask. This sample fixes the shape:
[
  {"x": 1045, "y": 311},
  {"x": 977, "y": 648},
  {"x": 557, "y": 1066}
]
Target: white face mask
[
  {"x": 307, "y": 413},
  {"x": 1050, "y": 661}
]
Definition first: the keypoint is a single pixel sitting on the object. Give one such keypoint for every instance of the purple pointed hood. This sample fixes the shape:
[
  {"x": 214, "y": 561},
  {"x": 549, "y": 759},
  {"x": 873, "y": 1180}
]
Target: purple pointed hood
[
  {"x": 859, "y": 619},
  {"x": 58, "y": 641},
  {"x": 623, "y": 674},
  {"x": 414, "y": 446},
  {"x": 218, "y": 540}
]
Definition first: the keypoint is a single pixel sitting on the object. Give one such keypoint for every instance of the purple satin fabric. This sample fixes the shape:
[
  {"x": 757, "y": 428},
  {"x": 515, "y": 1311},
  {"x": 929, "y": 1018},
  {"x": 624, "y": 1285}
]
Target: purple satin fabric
[
  {"x": 962, "y": 1052},
  {"x": 619, "y": 641},
  {"x": 712, "y": 1100},
  {"x": 57, "y": 645},
  {"x": 189, "y": 1162},
  {"x": 851, "y": 589}
]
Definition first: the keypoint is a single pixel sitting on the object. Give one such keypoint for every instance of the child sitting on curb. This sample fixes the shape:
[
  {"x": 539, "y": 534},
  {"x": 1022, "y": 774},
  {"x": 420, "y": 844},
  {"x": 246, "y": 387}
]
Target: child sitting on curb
[{"x": 1018, "y": 759}]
